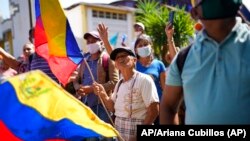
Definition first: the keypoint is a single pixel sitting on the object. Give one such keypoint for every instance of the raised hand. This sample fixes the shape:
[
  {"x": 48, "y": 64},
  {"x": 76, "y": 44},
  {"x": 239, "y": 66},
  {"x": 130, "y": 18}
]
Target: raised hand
[
  {"x": 169, "y": 30},
  {"x": 103, "y": 31}
]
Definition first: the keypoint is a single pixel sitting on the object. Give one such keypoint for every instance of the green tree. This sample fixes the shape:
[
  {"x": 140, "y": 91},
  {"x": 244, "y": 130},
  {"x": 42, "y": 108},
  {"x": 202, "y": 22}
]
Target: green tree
[{"x": 155, "y": 17}]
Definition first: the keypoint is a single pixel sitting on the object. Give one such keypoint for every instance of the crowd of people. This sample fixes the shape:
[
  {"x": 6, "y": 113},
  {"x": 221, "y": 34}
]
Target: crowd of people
[{"x": 127, "y": 86}]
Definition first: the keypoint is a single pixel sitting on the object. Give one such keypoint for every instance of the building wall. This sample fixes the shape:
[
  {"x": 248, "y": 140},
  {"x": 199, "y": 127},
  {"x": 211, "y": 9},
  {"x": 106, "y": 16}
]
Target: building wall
[
  {"x": 21, "y": 25},
  {"x": 117, "y": 21},
  {"x": 89, "y": 18},
  {"x": 76, "y": 19},
  {"x": 6, "y": 40},
  {"x": 15, "y": 30}
]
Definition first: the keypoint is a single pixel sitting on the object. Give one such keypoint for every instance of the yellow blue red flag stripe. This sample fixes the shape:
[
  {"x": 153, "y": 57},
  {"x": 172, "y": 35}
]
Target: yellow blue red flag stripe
[
  {"x": 33, "y": 107},
  {"x": 54, "y": 39}
]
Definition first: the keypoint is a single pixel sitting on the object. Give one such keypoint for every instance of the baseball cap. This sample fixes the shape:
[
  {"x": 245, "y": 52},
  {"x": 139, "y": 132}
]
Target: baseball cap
[
  {"x": 220, "y": 8},
  {"x": 140, "y": 24},
  {"x": 119, "y": 50},
  {"x": 95, "y": 34}
]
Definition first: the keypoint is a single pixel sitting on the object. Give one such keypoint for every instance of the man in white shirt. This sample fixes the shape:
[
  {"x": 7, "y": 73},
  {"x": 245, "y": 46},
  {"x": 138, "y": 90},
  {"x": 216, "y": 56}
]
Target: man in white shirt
[{"x": 135, "y": 99}]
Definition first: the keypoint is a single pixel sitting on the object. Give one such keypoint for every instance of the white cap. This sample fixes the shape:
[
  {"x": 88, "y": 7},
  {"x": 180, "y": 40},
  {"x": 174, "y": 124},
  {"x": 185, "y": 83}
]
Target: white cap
[{"x": 140, "y": 24}]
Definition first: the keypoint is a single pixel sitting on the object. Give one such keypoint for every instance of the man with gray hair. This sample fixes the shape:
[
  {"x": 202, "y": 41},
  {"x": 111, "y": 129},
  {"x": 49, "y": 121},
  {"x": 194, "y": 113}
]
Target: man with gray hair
[{"x": 135, "y": 100}]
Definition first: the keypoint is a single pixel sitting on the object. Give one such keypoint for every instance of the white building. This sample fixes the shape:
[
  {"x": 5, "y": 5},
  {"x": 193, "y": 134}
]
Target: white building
[
  {"x": 15, "y": 30},
  {"x": 83, "y": 17}
]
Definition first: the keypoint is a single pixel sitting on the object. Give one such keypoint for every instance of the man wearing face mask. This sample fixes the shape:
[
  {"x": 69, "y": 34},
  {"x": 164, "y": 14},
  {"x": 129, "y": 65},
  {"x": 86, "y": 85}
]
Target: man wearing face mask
[
  {"x": 103, "y": 70},
  {"x": 216, "y": 73}
]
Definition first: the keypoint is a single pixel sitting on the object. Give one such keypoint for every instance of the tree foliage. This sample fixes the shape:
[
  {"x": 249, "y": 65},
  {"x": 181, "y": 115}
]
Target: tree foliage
[{"x": 155, "y": 17}]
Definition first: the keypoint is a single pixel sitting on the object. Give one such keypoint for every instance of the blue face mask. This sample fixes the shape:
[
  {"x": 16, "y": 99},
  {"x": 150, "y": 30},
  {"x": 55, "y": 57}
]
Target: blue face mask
[{"x": 144, "y": 51}]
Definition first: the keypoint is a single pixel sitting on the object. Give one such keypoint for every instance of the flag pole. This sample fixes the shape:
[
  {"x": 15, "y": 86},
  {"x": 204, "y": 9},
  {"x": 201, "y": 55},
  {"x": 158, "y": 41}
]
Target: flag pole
[{"x": 93, "y": 79}]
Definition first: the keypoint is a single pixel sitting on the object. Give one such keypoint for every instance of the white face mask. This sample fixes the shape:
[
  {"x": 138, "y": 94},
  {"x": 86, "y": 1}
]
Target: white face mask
[
  {"x": 144, "y": 51},
  {"x": 137, "y": 33},
  {"x": 93, "y": 48}
]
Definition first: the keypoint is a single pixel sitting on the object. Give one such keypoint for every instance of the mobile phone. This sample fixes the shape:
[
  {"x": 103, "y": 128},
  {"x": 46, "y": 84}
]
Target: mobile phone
[
  {"x": 124, "y": 36},
  {"x": 171, "y": 17}
]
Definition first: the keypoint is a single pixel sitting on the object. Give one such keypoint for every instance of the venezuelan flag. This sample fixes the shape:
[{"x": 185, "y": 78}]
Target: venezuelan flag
[
  {"x": 54, "y": 39},
  {"x": 35, "y": 108}
]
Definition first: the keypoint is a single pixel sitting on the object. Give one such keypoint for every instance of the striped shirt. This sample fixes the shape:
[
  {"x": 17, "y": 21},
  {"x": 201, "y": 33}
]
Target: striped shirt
[{"x": 39, "y": 63}]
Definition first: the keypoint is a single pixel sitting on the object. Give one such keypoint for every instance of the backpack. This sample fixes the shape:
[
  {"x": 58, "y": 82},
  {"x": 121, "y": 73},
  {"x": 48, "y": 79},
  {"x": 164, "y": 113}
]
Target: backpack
[
  {"x": 105, "y": 65},
  {"x": 180, "y": 61},
  {"x": 181, "y": 58}
]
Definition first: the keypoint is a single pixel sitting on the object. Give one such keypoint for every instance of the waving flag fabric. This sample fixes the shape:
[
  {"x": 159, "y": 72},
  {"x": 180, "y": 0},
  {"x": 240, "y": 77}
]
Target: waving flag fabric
[
  {"x": 245, "y": 11},
  {"x": 113, "y": 39},
  {"x": 35, "y": 108},
  {"x": 54, "y": 39}
]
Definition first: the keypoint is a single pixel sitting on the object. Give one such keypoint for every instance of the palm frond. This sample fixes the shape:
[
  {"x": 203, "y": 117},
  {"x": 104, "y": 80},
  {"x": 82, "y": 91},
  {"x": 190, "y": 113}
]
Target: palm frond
[{"x": 155, "y": 17}]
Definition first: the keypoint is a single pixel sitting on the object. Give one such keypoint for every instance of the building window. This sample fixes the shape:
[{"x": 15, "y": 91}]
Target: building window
[
  {"x": 114, "y": 16},
  {"x": 109, "y": 15},
  {"x": 122, "y": 17},
  {"x": 101, "y": 14},
  {"x": 94, "y": 13}
]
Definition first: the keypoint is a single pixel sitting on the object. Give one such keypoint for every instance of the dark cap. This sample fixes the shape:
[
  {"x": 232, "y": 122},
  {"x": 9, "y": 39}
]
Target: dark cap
[
  {"x": 119, "y": 50},
  {"x": 218, "y": 9},
  {"x": 94, "y": 34}
]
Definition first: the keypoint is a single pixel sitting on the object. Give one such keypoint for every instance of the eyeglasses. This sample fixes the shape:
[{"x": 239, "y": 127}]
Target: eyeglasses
[{"x": 196, "y": 3}]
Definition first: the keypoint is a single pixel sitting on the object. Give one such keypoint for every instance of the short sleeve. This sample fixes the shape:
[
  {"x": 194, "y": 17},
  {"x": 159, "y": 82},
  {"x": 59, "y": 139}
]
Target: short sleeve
[
  {"x": 149, "y": 91},
  {"x": 162, "y": 67},
  {"x": 173, "y": 76}
]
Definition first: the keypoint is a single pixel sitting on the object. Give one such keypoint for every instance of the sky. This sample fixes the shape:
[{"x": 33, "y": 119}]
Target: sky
[
  {"x": 4, "y": 8},
  {"x": 4, "y": 5}
]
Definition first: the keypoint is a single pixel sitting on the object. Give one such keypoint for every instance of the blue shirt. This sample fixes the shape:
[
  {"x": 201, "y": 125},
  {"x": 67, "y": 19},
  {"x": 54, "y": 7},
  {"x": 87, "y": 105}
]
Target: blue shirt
[
  {"x": 90, "y": 99},
  {"x": 154, "y": 70},
  {"x": 216, "y": 79}
]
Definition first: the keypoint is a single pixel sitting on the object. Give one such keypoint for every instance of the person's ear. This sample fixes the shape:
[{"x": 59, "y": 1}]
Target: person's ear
[
  {"x": 135, "y": 59},
  {"x": 115, "y": 64},
  {"x": 101, "y": 42}
]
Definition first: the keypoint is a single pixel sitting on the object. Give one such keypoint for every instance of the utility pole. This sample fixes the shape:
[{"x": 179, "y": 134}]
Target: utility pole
[{"x": 30, "y": 14}]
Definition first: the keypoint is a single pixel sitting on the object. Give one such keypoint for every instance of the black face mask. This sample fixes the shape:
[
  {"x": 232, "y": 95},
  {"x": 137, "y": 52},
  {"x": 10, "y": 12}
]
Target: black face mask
[{"x": 219, "y": 9}]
